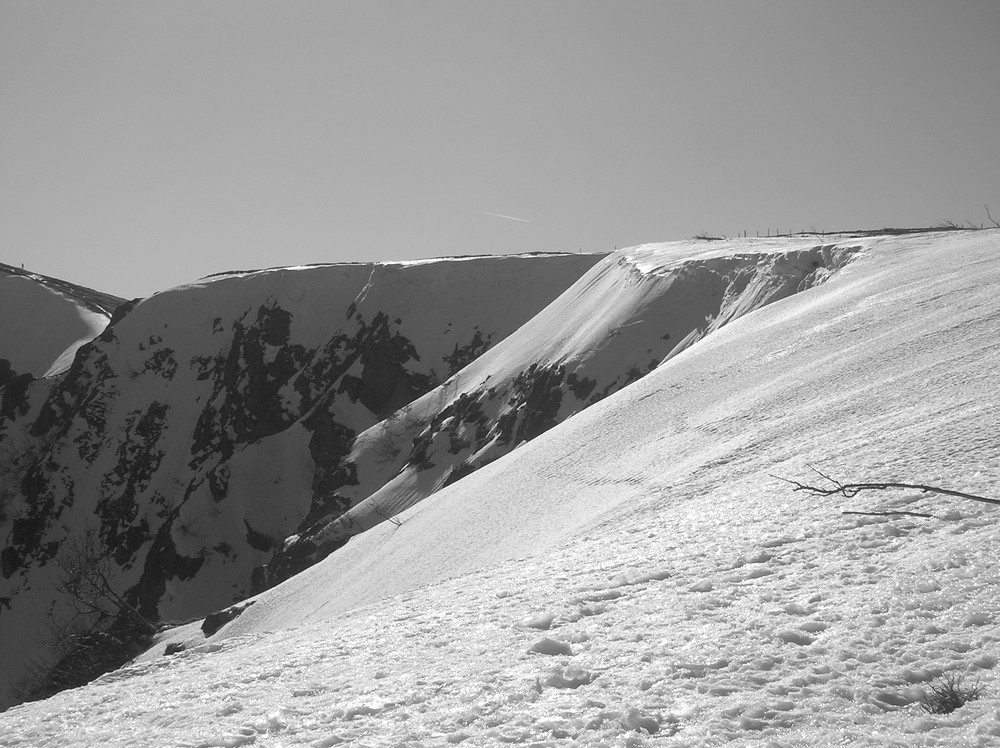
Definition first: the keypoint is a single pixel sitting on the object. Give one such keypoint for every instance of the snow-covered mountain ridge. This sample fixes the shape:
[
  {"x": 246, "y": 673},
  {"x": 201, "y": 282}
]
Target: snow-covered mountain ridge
[
  {"x": 634, "y": 576},
  {"x": 212, "y": 421},
  {"x": 138, "y": 439},
  {"x": 45, "y": 321},
  {"x": 636, "y": 309}
]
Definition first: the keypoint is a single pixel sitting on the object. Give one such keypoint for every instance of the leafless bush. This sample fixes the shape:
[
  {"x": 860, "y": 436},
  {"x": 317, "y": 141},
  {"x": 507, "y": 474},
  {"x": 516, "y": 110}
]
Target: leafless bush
[
  {"x": 378, "y": 511},
  {"x": 87, "y": 584},
  {"x": 102, "y": 630},
  {"x": 948, "y": 694},
  {"x": 706, "y": 237}
]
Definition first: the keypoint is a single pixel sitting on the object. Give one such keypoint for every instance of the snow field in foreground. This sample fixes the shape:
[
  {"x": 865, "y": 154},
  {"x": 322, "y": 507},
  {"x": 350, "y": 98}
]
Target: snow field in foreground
[{"x": 824, "y": 630}]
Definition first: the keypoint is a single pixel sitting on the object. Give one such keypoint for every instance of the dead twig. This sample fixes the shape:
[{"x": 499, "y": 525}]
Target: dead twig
[
  {"x": 995, "y": 222},
  {"x": 390, "y": 518},
  {"x": 850, "y": 490},
  {"x": 891, "y": 514}
]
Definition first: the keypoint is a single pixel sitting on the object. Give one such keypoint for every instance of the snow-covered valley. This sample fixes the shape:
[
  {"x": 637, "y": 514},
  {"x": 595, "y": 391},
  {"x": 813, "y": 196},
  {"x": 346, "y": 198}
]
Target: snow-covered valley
[{"x": 631, "y": 574}]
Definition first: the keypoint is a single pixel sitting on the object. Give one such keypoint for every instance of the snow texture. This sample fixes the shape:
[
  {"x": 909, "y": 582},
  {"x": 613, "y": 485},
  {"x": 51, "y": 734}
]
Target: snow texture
[{"x": 635, "y": 575}]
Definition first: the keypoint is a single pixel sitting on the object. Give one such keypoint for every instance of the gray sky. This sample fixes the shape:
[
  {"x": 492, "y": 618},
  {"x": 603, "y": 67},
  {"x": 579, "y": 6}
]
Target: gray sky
[{"x": 145, "y": 144}]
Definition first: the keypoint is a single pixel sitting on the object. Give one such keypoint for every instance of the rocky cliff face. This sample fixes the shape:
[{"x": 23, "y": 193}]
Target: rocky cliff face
[
  {"x": 219, "y": 437},
  {"x": 208, "y": 422}
]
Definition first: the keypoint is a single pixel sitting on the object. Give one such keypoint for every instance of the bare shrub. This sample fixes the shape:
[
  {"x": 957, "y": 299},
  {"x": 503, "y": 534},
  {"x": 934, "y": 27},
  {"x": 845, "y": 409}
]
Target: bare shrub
[
  {"x": 378, "y": 511},
  {"x": 948, "y": 694},
  {"x": 705, "y": 236},
  {"x": 102, "y": 630},
  {"x": 87, "y": 585}
]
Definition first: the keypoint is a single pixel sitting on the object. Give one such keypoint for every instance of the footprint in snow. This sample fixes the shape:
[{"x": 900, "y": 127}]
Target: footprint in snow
[
  {"x": 794, "y": 636},
  {"x": 613, "y": 588},
  {"x": 596, "y": 597},
  {"x": 542, "y": 622},
  {"x": 795, "y": 609},
  {"x": 548, "y": 646},
  {"x": 233, "y": 741},
  {"x": 636, "y": 720},
  {"x": 566, "y": 677}
]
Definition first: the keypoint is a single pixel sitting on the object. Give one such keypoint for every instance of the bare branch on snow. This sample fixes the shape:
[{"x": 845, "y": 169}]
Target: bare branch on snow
[{"x": 850, "y": 490}]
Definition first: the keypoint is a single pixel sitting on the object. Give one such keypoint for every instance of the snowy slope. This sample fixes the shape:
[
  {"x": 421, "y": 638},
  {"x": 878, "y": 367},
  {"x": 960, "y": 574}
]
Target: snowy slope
[
  {"x": 638, "y": 307},
  {"x": 206, "y": 423},
  {"x": 786, "y": 386},
  {"x": 46, "y": 320},
  {"x": 634, "y": 576},
  {"x": 214, "y": 420}
]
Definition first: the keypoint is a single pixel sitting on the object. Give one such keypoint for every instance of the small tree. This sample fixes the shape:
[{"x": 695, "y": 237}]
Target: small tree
[
  {"x": 103, "y": 630},
  {"x": 86, "y": 583}
]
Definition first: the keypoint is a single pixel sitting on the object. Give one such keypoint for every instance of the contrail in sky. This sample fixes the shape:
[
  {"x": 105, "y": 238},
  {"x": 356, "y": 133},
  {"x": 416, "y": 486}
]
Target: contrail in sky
[{"x": 501, "y": 215}]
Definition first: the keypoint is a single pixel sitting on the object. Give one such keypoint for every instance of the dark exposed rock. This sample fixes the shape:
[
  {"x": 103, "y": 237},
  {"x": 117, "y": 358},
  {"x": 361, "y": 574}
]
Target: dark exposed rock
[
  {"x": 163, "y": 562},
  {"x": 258, "y": 540},
  {"x": 13, "y": 391},
  {"x": 581, "y": 387},
  {"x": 420, "y": 453},
  {"x": 162, "y": 363},
  {"x": 10, "y": 561},
  {"x": 285, "y": 564},
  {"x": 542, "y": 395},
  {"x": 385, "y": 384},
  {"x": 27, "y": 532},
  {"x": 329, "y": 446},
  {"x": 297, "y": 556},
  {"x": 464, "y": 355},
  {"x": 123, "y": 529},
  {"x": 244, "y": 405},
  {"x": 218, "y": 482},
  {"x": 7, "y": 372},
  {"x": 120, "y": 312},
  {"x": 215, "y": 621},
  {"x": 458, "y": 472}
]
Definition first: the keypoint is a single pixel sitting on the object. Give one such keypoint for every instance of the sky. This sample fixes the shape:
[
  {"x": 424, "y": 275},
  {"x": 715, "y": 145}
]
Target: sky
[{"x": 146, "y": 144}]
